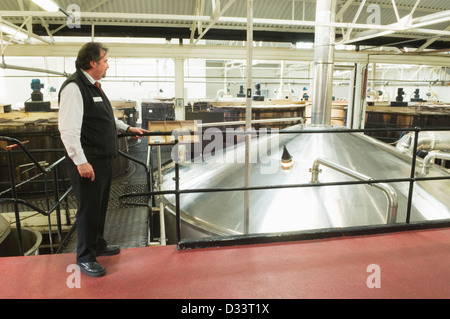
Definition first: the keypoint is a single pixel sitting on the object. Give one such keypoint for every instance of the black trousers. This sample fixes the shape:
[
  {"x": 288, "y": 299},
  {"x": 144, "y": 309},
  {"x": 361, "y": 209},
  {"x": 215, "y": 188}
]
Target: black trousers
[{"x": 92, "y": 197}]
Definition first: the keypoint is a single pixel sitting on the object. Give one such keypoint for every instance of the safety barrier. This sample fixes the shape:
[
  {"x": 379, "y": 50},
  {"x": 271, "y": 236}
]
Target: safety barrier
[{"x": 54, "y": 208}]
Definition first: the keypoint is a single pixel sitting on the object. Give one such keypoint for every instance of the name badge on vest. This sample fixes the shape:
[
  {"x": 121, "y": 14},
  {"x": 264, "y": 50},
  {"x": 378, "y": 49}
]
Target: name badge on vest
[{"x": 98, "y": 99}]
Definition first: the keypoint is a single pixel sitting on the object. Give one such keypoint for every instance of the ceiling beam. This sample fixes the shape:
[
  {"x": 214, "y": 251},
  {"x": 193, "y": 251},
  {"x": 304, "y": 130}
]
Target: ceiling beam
[
  {"x": 99, "y": 4},
  {"x": 29, "y": 23},
  {"x": 430, "y": 41},
  {"x": 406, "y": 24},
  {"x": 215, "y": 20},
  {"x": 350, "y": 30},
  {"x": 194, "y": 24},
  {"x": 239, "y": 22},
  {"x": 107, "y": 15},
  {"x": 172, "y": 51},
  {"x": 21, "y": 30}
]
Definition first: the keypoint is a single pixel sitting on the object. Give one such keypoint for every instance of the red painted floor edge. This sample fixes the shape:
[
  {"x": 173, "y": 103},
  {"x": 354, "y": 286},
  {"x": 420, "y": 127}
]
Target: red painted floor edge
[{"x": 412, "y": 264}]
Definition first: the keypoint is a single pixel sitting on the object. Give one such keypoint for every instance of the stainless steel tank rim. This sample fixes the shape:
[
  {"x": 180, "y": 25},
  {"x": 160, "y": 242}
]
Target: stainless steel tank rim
[
  {"x": 198, "y": 223},
  {"x": 304, "y": 235}
]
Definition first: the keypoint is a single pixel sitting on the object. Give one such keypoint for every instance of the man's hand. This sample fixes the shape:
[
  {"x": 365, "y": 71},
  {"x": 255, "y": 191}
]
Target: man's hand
[
  {"x": 136, "y": 130},
  {"x": 86, "y": 171}
]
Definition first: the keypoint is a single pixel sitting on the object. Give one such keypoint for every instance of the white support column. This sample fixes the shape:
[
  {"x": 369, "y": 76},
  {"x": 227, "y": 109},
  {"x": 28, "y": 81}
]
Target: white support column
[{"x": 179, "y": 89}]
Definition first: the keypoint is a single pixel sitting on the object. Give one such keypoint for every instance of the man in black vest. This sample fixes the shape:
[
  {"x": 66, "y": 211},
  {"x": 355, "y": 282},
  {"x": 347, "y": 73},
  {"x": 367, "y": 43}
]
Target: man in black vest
[{"x": 89, "y": 133}]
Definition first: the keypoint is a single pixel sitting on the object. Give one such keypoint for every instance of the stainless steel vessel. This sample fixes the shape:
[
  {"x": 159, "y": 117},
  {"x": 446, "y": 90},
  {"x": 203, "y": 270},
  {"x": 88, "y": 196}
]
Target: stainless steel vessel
[
  {"x": 332, "y": 157},
  {"x": 295, "y": 209}
]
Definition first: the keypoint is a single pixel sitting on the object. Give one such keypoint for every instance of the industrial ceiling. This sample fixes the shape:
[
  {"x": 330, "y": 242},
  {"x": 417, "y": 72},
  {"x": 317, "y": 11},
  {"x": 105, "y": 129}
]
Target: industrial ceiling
[{"x": 420, "y": 24}]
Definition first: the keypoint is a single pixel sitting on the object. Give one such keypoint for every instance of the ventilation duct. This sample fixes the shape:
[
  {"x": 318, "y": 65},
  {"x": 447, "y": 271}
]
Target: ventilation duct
[{"x": 323, "y": 63}]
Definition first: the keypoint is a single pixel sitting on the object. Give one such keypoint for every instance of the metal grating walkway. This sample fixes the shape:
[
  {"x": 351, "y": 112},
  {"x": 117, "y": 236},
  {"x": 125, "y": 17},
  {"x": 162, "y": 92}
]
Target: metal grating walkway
[{"x": 124, "y": 227}]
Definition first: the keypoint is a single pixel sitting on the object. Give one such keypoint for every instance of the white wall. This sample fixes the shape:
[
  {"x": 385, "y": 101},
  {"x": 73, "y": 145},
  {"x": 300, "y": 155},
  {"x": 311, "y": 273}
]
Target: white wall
[
  {"x": 15, "y": 85},
  {"x": 127, "y": 79},
  {"x": 411, "y": 78},
  {"x": 136, "y": 79},
  {"x": 268, "y": 75}
]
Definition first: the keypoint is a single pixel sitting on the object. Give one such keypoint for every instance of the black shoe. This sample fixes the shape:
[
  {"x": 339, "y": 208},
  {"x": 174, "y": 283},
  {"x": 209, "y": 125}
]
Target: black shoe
[
  {"x": 109, "y": 250},
  {"x": 92, "y": 269}
]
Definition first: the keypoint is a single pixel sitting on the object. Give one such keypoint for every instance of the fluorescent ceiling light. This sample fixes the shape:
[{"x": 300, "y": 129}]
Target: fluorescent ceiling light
[
  {"x": 345, "y": 47},
  {"x": 304, "y": 45},
  {"x": 47, "y": 5},
  {"x": 11, "y": 31}
]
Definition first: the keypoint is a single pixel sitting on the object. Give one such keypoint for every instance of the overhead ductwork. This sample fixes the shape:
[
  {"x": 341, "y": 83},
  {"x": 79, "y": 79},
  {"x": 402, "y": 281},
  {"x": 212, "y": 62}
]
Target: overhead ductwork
[{"x": 323, "y": 63}]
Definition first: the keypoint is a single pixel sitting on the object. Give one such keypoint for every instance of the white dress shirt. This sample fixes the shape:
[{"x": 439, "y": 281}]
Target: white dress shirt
[{"x": 70, "y": 119}]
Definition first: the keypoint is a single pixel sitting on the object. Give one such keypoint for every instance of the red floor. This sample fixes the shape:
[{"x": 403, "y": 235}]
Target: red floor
[{"x": 411, "y": 264}]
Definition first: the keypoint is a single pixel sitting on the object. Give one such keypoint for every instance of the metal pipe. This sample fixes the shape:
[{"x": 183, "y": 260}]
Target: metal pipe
[
  {"x": 160, "y": 177},
  {"x": 427, "y": 141},
  {"x": 248, "y": 113},
  {"x": 323, "y": 63},
  {"x": 288, "y": 132},
  {"x": 283, "y": 69},
  {"x": 427, "y": 161},
  {"x": 390, "y": 193},
  {"x": 290, "y": 119},
  {"x": 281, "y": 186},
  {"x": 162, "y": 227},
  {"x": 177, "y": 194},
  {"x": 56, "y": 198},
  {"x": 411, "y": 175},
  {"x": 16, "y": 207},
  {"x": 3, "y": 65}
]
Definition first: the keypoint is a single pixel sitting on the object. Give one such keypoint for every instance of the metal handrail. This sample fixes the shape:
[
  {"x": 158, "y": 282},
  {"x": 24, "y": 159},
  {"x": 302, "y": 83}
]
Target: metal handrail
[
  {"x": 14, "y": 199},
  {"x": 390, "y": 193},
  {"x": 149, "y": 184}
]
